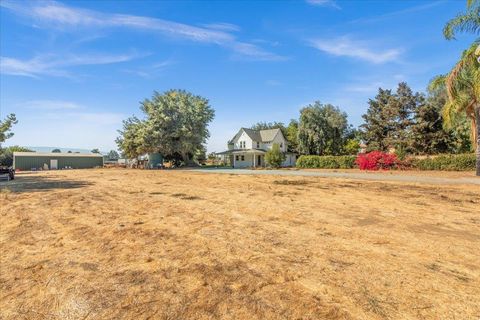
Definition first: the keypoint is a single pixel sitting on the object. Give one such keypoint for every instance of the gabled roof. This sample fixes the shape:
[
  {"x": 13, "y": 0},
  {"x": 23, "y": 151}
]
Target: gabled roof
[
  {"x": 269, "y": 135},
  {"x": 258, "y": 135}
]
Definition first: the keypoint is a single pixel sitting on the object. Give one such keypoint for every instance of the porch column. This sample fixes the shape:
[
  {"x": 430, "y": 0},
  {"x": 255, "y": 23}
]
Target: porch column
[
  {"x": 254, "y": 161},
  {"x": 234, "y": 156}
]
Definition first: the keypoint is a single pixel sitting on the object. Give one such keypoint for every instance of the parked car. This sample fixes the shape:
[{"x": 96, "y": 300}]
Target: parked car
[{"x": 9, "y": 171}]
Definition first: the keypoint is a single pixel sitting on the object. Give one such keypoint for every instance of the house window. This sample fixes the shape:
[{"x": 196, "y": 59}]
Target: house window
[
  {"x": 258, "y": 144},
  {"x": 236, "y": 158},
  {"x": 242, "y": 144},
  {"x": 243, "y": 158}
]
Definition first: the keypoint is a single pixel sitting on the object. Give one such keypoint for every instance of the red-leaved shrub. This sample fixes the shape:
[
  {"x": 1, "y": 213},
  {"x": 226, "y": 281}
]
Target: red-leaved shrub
[{"x": 376, "y": 160}]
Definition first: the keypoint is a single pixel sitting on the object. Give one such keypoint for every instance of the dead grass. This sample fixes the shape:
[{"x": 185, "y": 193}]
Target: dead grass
[{"x": 123, "y": 244}]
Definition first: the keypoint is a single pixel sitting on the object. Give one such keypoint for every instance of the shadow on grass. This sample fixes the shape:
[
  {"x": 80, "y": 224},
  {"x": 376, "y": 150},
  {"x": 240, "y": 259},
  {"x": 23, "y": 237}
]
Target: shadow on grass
[{"x": 33, "y": 183}]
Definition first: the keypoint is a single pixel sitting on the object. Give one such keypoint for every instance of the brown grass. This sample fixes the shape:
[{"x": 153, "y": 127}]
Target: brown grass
[{"x": 134, "y": 244}]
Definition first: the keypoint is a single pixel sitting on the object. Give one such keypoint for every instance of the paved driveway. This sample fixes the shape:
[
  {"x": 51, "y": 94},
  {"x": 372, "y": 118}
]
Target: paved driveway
[{"x": 349, "y": 175}]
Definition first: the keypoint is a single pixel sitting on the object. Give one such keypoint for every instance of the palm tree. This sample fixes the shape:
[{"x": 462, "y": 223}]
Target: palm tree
[
  {"x": 466, "y": 22},
  {"x": 462, "y": 84}
]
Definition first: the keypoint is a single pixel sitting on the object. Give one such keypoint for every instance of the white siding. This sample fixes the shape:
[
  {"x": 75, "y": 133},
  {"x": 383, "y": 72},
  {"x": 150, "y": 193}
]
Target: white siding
[
  {"x": 278, "y": 139},
  {"x": 243, "y": 137},
  {"x": 248, "y": 162}
]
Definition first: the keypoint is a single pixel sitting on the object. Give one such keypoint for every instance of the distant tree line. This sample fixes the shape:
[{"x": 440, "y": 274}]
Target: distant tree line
[{"x": 409, "y": 122}]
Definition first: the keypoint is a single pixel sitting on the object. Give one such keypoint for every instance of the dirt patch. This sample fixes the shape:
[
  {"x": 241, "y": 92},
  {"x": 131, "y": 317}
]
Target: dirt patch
[{"x": 91, "y": 244}]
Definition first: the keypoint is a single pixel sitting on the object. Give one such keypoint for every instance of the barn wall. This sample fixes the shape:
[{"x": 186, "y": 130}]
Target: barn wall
[{"x": 37, "y": 162}]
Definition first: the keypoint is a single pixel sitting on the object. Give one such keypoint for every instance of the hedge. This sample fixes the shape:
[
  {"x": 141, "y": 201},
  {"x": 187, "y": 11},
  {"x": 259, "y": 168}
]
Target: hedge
[
  {"x": 452, "y": 162},
  {"x": 449, "y": 162},
  {"x": 326, "y": 162}
]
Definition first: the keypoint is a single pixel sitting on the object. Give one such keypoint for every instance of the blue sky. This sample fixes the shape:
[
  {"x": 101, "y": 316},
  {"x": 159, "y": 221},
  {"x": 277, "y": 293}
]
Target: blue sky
[{"x": 71, "y": 71}]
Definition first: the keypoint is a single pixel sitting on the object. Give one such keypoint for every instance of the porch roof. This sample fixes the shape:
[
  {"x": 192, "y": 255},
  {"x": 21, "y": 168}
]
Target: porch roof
[{"x": 240, "y": 151}]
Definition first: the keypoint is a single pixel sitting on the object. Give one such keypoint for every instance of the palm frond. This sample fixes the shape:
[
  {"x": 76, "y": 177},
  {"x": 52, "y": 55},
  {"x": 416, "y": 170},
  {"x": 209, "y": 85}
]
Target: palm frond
[{"x": 465, "y": 22}]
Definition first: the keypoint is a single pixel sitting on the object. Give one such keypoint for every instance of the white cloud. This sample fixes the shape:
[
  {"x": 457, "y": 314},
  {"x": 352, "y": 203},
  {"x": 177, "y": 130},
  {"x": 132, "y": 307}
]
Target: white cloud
[
  {"x": 50, "y": 105},
  {"x": 324, "y": 3},
  {"x": 55, "y": 65},
  {"x": 55, "y": 14},
  {"x": 223, "y": 26},
  {"x": 345, "y": 47}
]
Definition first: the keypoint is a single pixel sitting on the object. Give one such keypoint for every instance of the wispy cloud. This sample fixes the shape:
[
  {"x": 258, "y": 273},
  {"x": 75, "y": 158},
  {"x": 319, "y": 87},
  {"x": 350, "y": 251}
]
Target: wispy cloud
[
  {"x": 344, "y": 46},
  {"x": 54, "y": 14},
  {"x": 55, "y": 65},
  {"x": 223, "y": 26},
  {"x": 324, "y": 3},
  {"x": 152, "y": 70},
  {"x": 392, "y": 14},
  {"x": 50, "y": 105}
]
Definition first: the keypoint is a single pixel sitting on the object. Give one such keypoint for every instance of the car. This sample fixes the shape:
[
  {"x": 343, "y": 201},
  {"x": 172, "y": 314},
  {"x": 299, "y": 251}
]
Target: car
[{"x": 9, "y": 171}]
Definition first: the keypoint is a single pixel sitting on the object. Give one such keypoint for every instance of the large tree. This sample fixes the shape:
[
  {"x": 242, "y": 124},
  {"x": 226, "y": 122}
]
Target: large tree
[
  {"x": 322, "y": 129},
  {"x": 463, "y": 89},
  {"x": 292, "y": 136},
  {"x": 175, "y": 124},
  {"x": 389, "y": 119},
  {"x": 463, "y": 81},
  {"x": 5, "y": 127},
  {"x": 378, "y": 121},
  {"x": 430, "y": 136}
]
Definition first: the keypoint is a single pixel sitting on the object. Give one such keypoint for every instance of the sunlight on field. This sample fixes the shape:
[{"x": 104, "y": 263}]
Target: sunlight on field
[{"x": 112, "y": 243}]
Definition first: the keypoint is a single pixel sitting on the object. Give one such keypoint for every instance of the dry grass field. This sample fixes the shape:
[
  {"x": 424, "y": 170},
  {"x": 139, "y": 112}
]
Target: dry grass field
[{"x": 133, "y": 244}]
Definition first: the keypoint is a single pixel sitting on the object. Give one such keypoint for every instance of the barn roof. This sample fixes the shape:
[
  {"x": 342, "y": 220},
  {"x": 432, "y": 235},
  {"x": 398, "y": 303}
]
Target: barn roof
[{"x": 56, "y": 154}]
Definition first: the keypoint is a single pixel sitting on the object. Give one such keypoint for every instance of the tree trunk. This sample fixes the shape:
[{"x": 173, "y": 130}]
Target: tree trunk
[{"x": 477, "y": 142}]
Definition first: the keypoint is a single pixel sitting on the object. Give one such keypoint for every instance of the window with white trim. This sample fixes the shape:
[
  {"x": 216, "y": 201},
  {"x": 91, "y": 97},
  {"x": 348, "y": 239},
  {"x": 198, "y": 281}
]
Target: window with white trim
[
  {"x": 243, "y": 158},
  {"x": 236, "y": 158},
  {"x": 258, "y": 144}
]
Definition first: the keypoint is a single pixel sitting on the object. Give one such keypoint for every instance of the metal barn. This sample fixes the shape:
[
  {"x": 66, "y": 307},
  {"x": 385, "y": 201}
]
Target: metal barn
[{"x": 53, "y": 161}]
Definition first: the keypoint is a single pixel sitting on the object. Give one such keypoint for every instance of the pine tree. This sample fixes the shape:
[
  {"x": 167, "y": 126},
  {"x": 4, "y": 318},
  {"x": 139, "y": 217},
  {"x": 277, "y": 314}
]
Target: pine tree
[{"x": 378, "y": 121}]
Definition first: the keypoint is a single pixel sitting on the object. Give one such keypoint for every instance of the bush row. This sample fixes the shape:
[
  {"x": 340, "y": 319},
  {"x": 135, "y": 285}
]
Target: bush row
[
  {"x": 372, "y": 161},
  {"x": 453, "y": 162},
  {"x": 326, "y": 162}
]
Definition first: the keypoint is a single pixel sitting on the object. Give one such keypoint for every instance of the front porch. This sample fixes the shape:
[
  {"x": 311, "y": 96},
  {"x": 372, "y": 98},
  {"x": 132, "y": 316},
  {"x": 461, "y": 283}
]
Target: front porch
[{"x": 244, "y": 158}]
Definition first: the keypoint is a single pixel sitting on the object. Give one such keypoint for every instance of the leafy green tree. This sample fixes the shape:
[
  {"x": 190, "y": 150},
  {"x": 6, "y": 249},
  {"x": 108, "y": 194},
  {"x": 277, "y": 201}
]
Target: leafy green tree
[
  {"x": 322, "y": 129},
  {"x": 95, "y": 150},
  {"x": 352, "y": 146},
  {"x": 429, "y": 134},
  {"x": 275, "y": 157},
  {"x": 175, "y": 125},
  {"x": 5, "y": 127},
  {"x": 292, "y": 136},
  {"x": 6, "y": 154},
  {"x": 113, "y": 155},
  {"x": 132, "y": 138},
  {"x": 469, "y": 21},
  {"x": 56, "y": 151}
]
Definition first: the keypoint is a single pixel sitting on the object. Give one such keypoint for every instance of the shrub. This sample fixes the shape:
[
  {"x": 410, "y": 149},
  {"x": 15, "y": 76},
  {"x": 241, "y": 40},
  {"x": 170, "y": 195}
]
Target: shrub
[
  {"x": 275, "y": 157},
  {"x": 376, "y": 160},
  {"x": 326, "y": 162},
  {"x": 451, "y": 162}
]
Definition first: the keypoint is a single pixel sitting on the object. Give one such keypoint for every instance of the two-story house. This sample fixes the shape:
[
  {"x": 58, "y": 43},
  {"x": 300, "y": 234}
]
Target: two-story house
[{"x": 248, "y": 147}]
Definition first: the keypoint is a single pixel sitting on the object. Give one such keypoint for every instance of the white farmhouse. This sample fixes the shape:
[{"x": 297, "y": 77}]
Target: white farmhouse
[{"x": 248, "y": 147}]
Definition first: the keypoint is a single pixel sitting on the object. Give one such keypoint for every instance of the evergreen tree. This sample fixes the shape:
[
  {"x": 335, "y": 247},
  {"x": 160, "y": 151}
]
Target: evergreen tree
[{"x": 378, "y": 123}]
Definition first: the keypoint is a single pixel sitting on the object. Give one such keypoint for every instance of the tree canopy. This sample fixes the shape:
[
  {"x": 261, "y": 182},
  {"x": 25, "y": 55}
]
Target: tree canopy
[
  {"x": 113, "y": 155},
  {"x": 56, "y": 151},
  {"x": 322, "y": 129},
  {"x": 5, "y": 127},
  {"x": 175, "y": 123}
]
